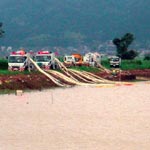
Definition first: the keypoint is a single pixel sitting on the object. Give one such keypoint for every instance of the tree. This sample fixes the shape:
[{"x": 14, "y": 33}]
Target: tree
[
  {"x": 147, "y": 56},
  {"x": 129, "y": 54},
  {"x": 122, "y": 45},
  {"x": 1, "y": 30}
]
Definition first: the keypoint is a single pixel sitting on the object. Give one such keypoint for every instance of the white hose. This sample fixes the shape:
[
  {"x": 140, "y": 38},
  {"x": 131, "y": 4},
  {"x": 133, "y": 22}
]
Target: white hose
[{"x": 85, "y": 76}]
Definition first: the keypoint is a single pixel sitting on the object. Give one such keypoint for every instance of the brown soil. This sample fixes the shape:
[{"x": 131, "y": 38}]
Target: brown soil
[
  {"x": 140, "y": 73},
  {"x": 127, "y": 75},
  {"x": 32, "y": 81},
  {"x": 39, "y": 81}
]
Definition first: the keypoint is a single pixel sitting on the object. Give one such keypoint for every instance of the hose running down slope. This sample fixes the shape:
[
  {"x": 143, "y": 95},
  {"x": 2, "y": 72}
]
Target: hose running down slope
[{"x": 72, "y": 77}]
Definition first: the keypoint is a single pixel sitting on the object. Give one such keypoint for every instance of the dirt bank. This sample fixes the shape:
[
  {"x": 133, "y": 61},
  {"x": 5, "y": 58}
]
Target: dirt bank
[
  {"x": 39, "y": 81},
  {"x": 78, "y": 118}
]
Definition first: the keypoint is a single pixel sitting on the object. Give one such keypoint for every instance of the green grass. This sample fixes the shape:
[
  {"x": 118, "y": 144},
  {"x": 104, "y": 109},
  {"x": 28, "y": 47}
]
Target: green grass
[
  {"x": 135, "y": 64},
  {"x": 130, "y": 64},
  {"x": 85, "y": 68},
  {"x": 105, "y": 63},
  {"x": 7, "y": 72},
  {"x": 61, "y": 59},
  {"x": 125, "y": 65},
  {"x": 6, "y": 91}
]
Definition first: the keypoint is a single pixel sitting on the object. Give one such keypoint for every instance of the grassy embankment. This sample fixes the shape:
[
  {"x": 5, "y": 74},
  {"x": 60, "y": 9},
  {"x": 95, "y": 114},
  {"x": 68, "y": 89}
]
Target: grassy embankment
[
  {"x": 125, "y": 65},
  {"x": 130, "y": 64},
  {"x": 4, "y": 69}
]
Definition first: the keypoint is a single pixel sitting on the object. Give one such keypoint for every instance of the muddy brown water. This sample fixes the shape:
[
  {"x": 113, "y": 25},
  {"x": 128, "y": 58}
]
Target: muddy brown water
[{"x": 78, "y": 118}]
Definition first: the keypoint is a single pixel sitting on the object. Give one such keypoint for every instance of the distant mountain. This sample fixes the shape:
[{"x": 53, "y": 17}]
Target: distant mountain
[{"x": 73, "y": 22}]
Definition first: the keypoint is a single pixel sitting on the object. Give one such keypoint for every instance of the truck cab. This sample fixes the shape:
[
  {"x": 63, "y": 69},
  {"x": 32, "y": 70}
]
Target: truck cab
[
  {"x": 45, "y": 59},
  {"x": 17, "y": 61},
  {"x": 115, "y": 62},
  {"x": 92, "y": 59},
  {"x": 78, "y": 59},
  {"x": 69, "y": 60},
  {"x": 73, "y": 60}
]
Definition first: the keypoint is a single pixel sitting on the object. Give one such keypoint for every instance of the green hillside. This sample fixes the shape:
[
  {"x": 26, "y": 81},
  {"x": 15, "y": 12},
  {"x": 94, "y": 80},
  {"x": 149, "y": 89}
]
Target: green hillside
[{"x": 73, "y": 22}]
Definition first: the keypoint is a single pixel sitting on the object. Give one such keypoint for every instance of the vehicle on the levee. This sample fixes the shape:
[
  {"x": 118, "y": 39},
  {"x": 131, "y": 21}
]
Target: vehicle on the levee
[
  {"x": 115, "y": 62},
  {"x": 45, "y": 59},
  {"x": 17, "y": 61}
]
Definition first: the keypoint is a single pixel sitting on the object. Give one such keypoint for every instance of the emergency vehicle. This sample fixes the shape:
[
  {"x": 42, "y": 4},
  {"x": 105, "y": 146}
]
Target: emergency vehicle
[
  {"x": 45, "y": 59},
  {"x": 17, "y": 61}
]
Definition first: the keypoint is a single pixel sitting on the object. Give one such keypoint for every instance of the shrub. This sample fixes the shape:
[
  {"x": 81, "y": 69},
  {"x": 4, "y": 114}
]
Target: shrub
[
  {"x": 147, "y": 56},
  {"x": 129, "y": 55},
  {"x": 138, "y": 62},
  {"x": 3, "y": 64},
  {"x": 105, "y": 63}
]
